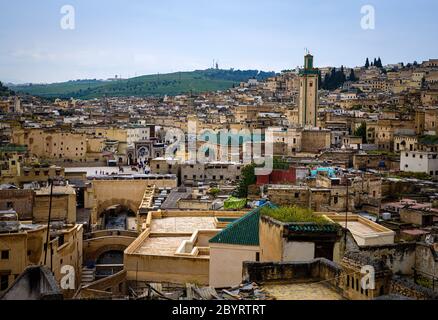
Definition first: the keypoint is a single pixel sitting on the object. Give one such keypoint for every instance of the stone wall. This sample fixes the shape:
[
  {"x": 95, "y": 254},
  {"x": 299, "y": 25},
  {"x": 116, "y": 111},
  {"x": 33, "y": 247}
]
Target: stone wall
[
  {"x": 407, "y": 288},
  {"x": 399, "y": 258},
  {"x": 290, "y": 272},
  {"x": 22, "y": 201}
]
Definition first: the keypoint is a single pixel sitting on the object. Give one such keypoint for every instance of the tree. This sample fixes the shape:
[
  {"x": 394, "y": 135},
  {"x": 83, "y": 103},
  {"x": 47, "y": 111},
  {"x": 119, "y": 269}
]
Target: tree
[
  {"x": 5, "y": 92},
  {"x": 334, "y": 80},
  {"x": 379, "y": 63},
  {"x": 362, "y": 132},
  {"x": 214, "y": 192},
  {"x": 367, "y": 63},
  {"x": 352, "y": 76},
  {"x": 248, "y": 178}
]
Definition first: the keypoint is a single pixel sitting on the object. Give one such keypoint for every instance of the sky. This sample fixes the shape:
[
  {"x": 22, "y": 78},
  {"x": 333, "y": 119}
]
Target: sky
[{"x": 136, "y": 37}]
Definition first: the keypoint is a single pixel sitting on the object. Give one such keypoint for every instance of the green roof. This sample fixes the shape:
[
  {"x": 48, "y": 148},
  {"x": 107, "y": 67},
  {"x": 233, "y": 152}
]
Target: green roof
[
  {"x": 222, "y": 219},
  {"x": 313, "y": 227},
  {"x": 13, "y": 148},
  {"x": 244, "y": 231}
]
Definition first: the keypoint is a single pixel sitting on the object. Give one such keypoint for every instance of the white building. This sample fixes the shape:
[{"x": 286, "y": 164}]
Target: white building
[
  {"x": 140, "y": 133},
  {"x": 419, "y": 161}
]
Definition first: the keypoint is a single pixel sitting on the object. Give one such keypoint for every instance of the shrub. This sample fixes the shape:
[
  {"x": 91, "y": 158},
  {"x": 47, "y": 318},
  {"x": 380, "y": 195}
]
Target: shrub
[{"x": 294, "y": 214}]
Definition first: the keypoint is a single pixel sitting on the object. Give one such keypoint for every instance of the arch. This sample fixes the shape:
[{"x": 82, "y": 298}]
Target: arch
[
  {"x": 104, "y": 205},
  {"x": 94, "y": 248}
]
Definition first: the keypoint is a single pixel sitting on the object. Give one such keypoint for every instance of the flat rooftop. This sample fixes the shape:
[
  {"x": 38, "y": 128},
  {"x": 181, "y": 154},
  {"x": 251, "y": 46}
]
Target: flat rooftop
[
  {"x": 162, "y": 246},
  {"x": 301, "y": 291},
  {"x": 355, "y": 226},
  {"x": 181, "y": 224}
]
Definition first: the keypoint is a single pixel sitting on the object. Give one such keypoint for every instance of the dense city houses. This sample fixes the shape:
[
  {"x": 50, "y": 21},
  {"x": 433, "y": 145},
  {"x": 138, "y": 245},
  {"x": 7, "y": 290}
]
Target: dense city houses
[{"x": 104, "y": 199}]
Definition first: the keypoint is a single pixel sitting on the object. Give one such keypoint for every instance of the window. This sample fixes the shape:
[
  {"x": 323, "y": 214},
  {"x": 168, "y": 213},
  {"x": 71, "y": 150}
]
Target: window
[
  {"x": 257, "y": 256},
  {"x": 297, "y": 195},
  {"x": 61, "y": 241},
  {"x": 5, "y": 255},
  {"x": 9, "y": 205},
  {"x": 348, "y": 281},
  {"x": 4, "y": 282}
]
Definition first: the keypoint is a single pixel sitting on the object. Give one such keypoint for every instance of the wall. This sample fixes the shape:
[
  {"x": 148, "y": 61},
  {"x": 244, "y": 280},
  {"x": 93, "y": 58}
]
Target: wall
[
  {"x": 16, "y": 244},
  {"x": 317, "y": 270},
  {"x": 231, "y": 256},
  {"x": 298, "y": 251},
  {"x": 173, "y": 269},
  {"x": 63, "y": 208},
  {"x": 400, "y": 258},
  {"x": 271, "y": 240},
  {"x": 67, "y": 253},
  {"x": 426, "y": 260},
  {"x": 22, "y": 202},
  {"x": 314, "y": 141}
]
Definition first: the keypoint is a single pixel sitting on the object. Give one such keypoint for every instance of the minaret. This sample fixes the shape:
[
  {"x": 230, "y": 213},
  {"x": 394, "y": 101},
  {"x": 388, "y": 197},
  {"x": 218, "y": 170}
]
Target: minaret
[{"x": 308, "y": 98}]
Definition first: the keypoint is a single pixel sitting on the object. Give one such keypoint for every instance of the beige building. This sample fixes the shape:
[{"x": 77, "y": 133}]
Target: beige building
[
  {"x": 174, "y": 246},
  {"x": 212, "y": 172},
  {"x": 23, "y": 244},
  {"x": 52, "y": 144},
  {"x": 63, "y": 204}
]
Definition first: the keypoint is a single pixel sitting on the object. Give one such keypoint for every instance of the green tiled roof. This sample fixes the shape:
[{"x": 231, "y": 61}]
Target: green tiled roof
[
  {"x": 13, "y": 148},
  {"x": 313, "y": 227},
  {"x": 222, "y": 219},
  {"x": 244, "y": 231}
]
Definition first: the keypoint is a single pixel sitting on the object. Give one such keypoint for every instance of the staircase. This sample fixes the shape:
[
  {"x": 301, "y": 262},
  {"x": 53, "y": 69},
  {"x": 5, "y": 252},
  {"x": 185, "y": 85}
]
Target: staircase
[{"x": 88, "y": 276}]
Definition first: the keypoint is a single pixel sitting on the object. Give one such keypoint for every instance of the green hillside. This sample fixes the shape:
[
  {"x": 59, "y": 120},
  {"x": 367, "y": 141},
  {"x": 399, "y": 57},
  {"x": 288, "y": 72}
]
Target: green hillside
[
  {"x": 4, "y": 91},
  {"x": 149, "y": 85}
]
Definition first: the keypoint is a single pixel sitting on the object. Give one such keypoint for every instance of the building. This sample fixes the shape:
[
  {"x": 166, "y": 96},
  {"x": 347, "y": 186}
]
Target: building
[
  {"x": 23, "y": 244},
  {"x": 420, "y": 161},
  {"x": 211, "y": 172},
  {"x": 308, "y": 96}
]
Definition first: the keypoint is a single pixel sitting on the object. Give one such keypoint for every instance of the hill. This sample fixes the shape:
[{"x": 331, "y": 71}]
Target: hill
[
  {"x": 4, "y": 91},
  {"x": 149, "y": 85}
]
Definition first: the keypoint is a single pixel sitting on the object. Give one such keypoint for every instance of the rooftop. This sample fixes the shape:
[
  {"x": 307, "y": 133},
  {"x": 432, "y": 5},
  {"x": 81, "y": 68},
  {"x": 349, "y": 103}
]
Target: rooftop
[
  {"x": 244, "y": 231},
  {"x": 301, "y": 291},
  {"x": 181, "y": 224}
]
